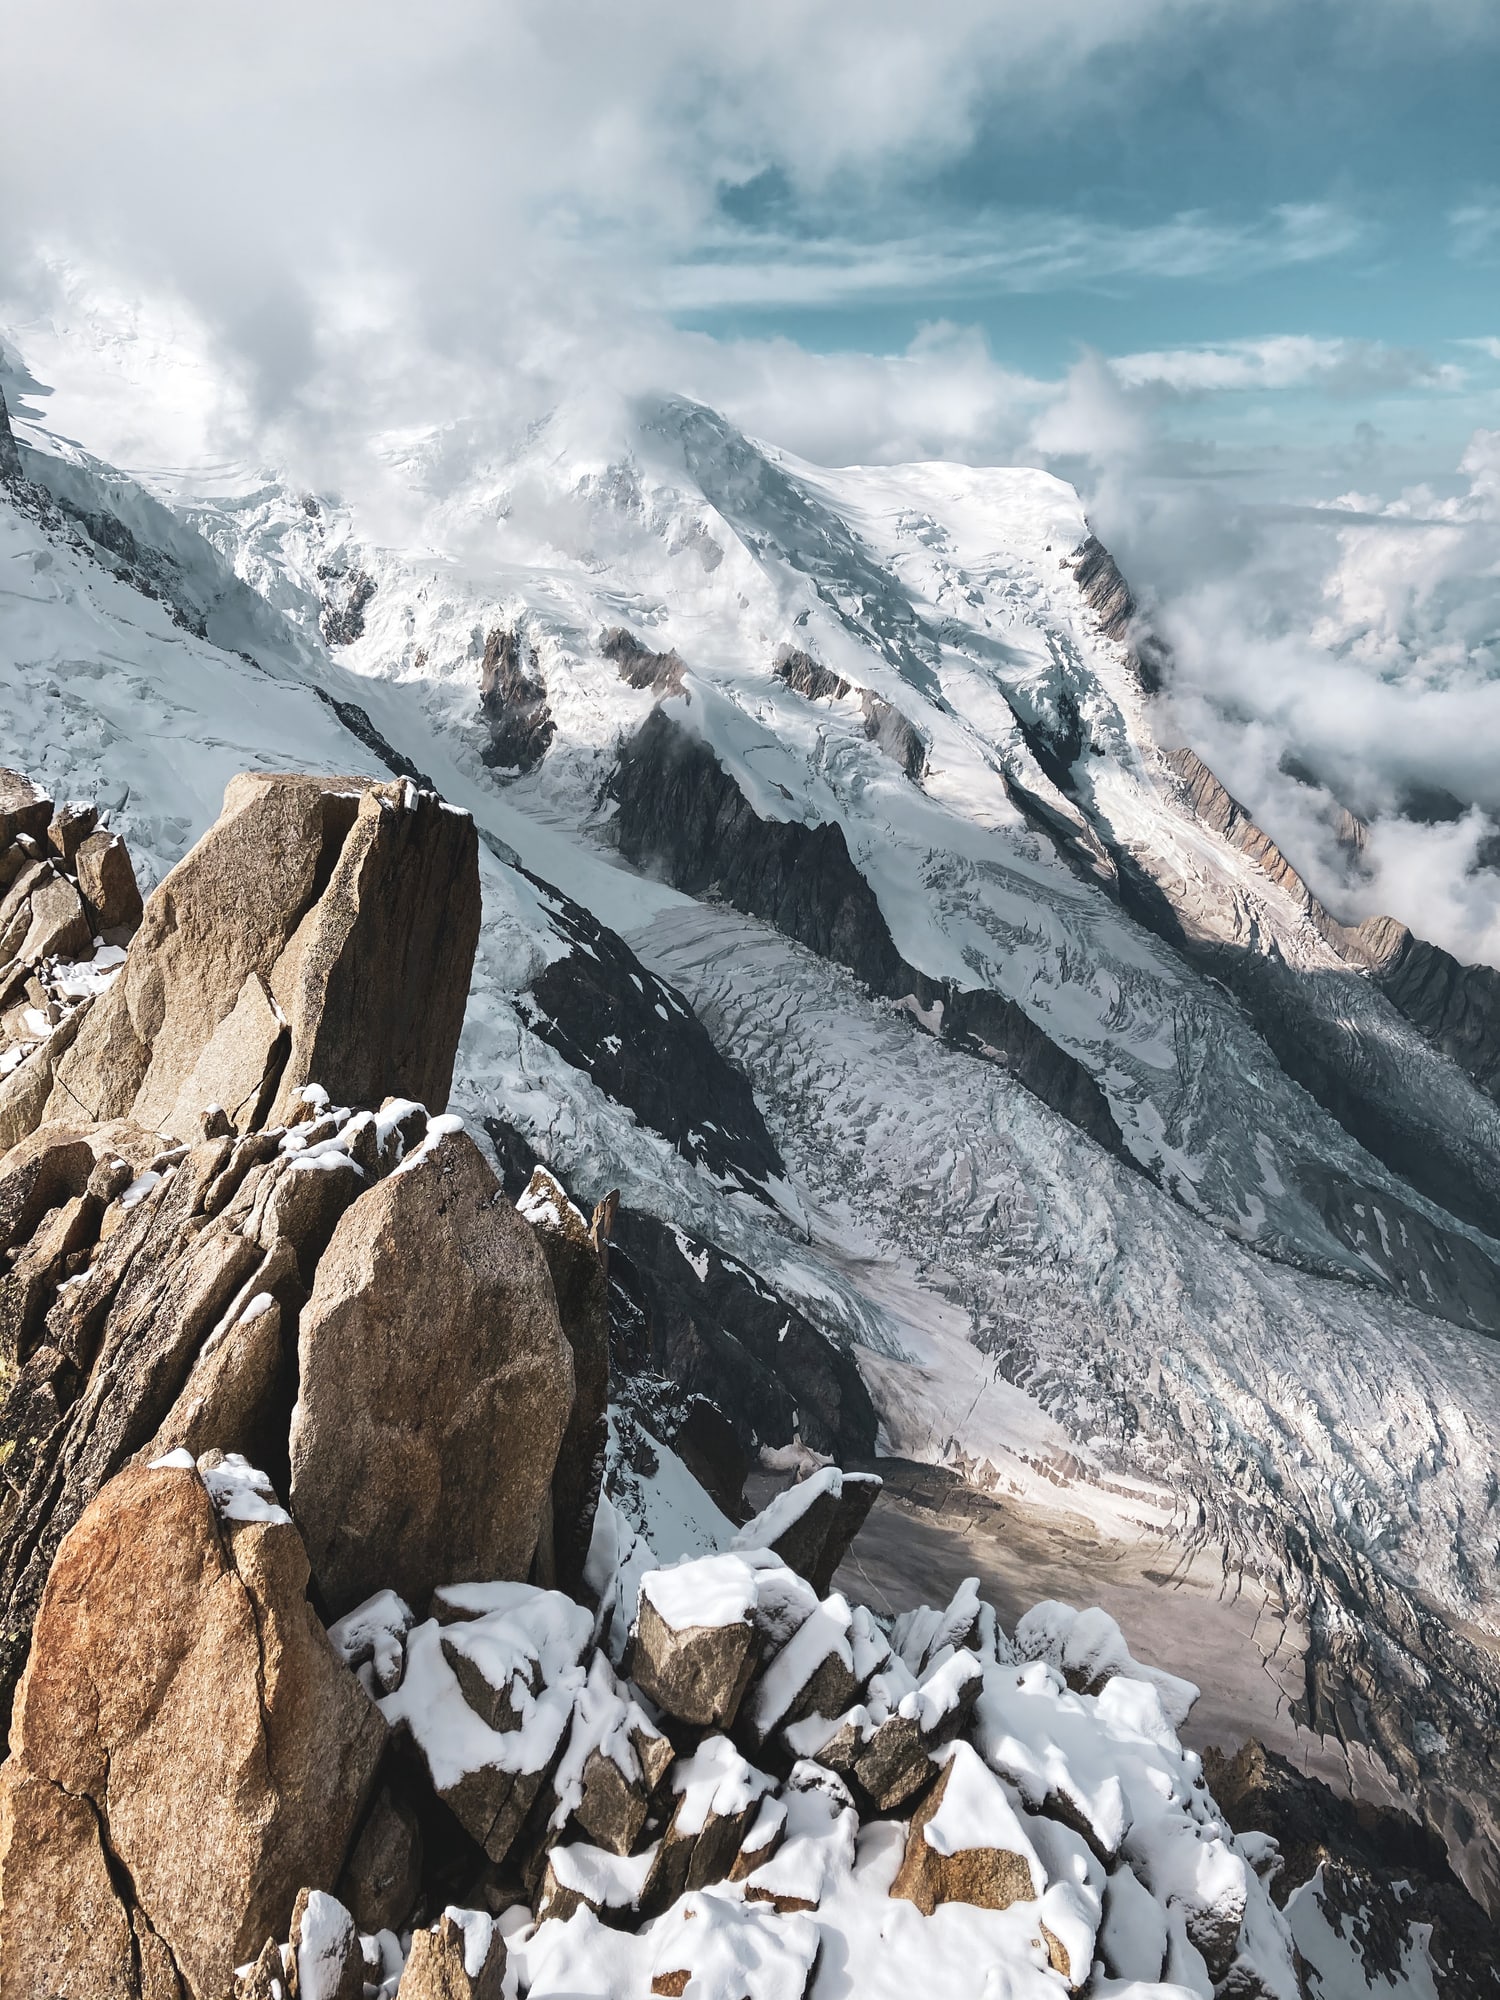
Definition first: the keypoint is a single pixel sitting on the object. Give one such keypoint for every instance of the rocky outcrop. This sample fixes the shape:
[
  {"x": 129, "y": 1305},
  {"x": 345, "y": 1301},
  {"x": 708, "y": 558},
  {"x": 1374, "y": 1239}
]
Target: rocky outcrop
[
  {"x": 1324, "y": 1029},
  {"x": 357, "y": 721},
  {"x": 107, "y": 884},
  {"x": 681, "y": 812},
  {"x": 885, "y": 725},
  {"x": 642, "y": 1044},
  {"x": 321, "y": 931},
  {"x": 187, "y": 1749},
  {"x": 347, "y": 593},
  {"x": 577, "y": 1259},
  {"x": 1456, "y": 1006},
  {"x": 157, "y": 1252},
  {"x": 1374, "y": 1872},
  {"x": 68, "y": 901},
  {"x": 513, "y": 705},
  {"x": 692, "y": 1313},
  {"x": 434, "y": 1383},
  {"x": 10, "y": 457},
  {"x": 1108, "y": 596},
  {"x": 638, "y": 666},
  {"x": 1209, "y": 802}
]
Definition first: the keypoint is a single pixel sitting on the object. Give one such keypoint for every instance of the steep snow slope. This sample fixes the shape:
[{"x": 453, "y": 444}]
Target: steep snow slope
[{"x": 1210, "y": 1342}]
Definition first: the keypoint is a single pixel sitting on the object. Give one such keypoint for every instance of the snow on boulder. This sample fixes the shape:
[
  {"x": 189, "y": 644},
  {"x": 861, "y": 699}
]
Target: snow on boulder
[
  {"x": 614, "y": 1760},
  {"x": 325, "y": 1949},
  {"x": 817, "y": 1830},
  {"x": 718, "y": 1797},
  {"x": 1049, "y": 1743},
  {"x": 700, "y": 1628},
  {"x": 885, "y": 1743},
  {"x": 579, "y": 1875},
  {"x": 1089, "y": 1648},
  {"x": 487, "y": 1701},
  {"x": 460, "y": 1957},
  {"x": 811, "y": 1524},
  {"x": 966, "y": 1843},
  {"x": 713, "y": 1944}
]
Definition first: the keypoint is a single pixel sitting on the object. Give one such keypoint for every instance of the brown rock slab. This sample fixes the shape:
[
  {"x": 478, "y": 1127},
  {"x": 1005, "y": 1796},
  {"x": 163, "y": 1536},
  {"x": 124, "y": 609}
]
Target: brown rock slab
[
  {"x": 24, "y": 808},
  {"x": 26, "y": 1093},
  {"x": 134, "y": 1323},
  {"x": 238, "y": 1066},
  {"x": 437, "y": 1966},
  {"x": 182, "y": 1691},
  {"x": 59, "y": 927},
  {"x": 46, "y": 1169},
  {"x": 226, "y": 1399},
  {"x": 72, "y": 823},
  {"x": 434, "y": 1385},
  {"x": 63, "y": 1929},
  {"x": 383, "y": 1874},
  {"x": 990, "y": 1878},
  {"x": 577, "y": 1271},
  {"x": 355, "y": 905},
  {"x": 375, "y": 980},
  {"x": 107, "y": 884}
]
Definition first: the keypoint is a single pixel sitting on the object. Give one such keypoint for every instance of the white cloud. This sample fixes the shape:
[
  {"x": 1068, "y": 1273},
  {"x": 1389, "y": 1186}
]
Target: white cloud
[
  {"x": 1474, "y": 230},
  {"x": 1021, "y": 251},
  {"x": 1287, "y": 361}
]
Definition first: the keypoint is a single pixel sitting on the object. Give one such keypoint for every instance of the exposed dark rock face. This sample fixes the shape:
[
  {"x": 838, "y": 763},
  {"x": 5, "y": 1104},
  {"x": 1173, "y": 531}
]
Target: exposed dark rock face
[
  {"x": 885, "y": 725},
  {"x": 357, "y": 721},
  {"x": 680, "y": 811},
  {"x": 513, "y": 704},
  {"x": 805, "y": 676},
  {"x": 1456, "y": 1006},
  {"x": 1109, "y": 597},
  {"x": 10, "y": 456},
  {"x": 899, "y": 738},
  {"x": 1382, "y": 1871},
  {"x": 709, "y": 1358},
  {"x": 643, "y": 1045},
  {"x": 1322, "y": 1047},
  {"x": 106, "y": 537},
  {"x": 718, "y": 1331},
  {"x": 637, "y": 664},
  {"x": 1058, "y": 748},
  {"x": 343, "y": 619},
  {"x": 1326, "y": 1047}
]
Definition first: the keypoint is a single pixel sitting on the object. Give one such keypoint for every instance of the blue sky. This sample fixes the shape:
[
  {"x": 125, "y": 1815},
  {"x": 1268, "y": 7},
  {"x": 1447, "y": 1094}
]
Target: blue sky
[{"x": 1232, "y": 178}]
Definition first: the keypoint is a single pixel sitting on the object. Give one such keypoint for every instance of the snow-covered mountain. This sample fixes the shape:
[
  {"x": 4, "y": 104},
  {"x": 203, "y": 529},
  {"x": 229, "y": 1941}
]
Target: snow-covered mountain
[{"x": 1133, "y": 1186}]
